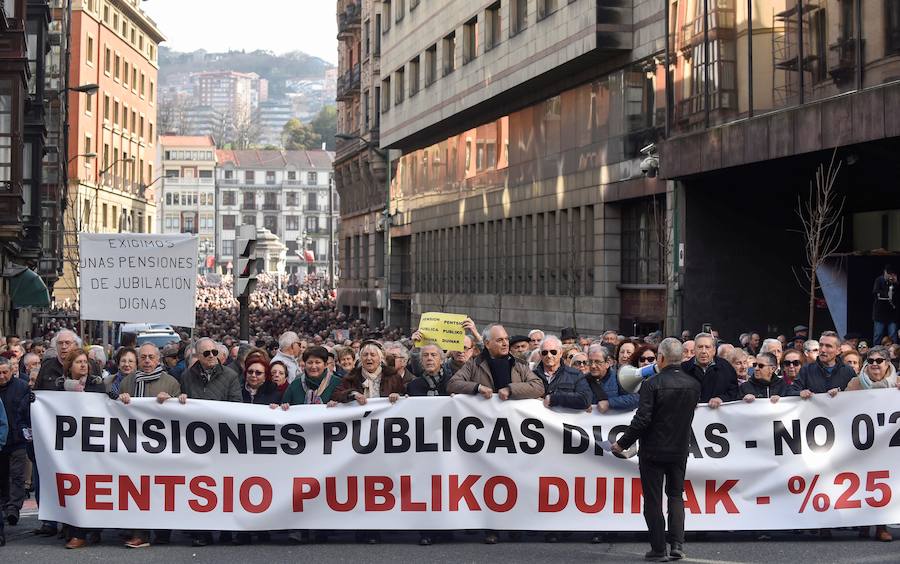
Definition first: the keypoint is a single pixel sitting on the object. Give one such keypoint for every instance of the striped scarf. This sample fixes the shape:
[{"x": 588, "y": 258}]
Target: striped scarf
[{"x": 141, "y": 379}]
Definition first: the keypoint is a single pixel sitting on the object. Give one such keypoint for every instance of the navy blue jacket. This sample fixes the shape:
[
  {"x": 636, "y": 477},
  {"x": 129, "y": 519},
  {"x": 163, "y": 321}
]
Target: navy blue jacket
[
  {"x": 718, "y": 381},
  {"x": 15, "y": 398},
  {"x": 615, "y": 395},
  {"x": 815, "y": 378},
  {"x": 567, "y": 388},
  {"x": 4, "y": 428}
]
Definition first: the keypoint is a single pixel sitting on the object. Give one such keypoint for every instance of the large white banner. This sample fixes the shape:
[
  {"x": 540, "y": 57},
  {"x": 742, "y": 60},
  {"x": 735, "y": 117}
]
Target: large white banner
[
  {"x": 134, "y": 277},
  {"x": 454, "y": 463}
]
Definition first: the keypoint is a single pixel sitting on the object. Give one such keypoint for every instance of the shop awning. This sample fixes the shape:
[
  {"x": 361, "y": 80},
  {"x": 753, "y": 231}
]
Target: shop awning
[{"x": 26, "y": 287}]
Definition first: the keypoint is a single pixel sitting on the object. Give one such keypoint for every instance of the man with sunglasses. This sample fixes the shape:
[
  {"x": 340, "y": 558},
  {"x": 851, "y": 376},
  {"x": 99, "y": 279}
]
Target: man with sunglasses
[
  {"x": 828, "y": 374},
  {"x": 563, "y": 386},
  {"x": 208, "y": 379},
  {"x": 718, "y": 379},
  {"x": 764, "y": 383}
]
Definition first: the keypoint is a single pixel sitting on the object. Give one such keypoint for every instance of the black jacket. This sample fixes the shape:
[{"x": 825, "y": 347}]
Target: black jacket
[
  {"x": 420, "y": 386},
  {"x": 718, "y": 381},
  {"x": 50, "y": 375},
  {"x": 266, "y": 394},
  {"x": 664, "y": 416},
  {"x": 568, "y": 388},
  {"x": 760, "y": 389},
  {"x": 815, "y": 378},
  {"x": 884, "y": 306},
  {"x": 14, "y": 399}
]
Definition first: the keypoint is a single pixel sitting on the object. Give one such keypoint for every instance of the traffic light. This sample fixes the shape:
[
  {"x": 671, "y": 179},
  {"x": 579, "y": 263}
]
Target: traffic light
[{"x": 245, "y": 262}]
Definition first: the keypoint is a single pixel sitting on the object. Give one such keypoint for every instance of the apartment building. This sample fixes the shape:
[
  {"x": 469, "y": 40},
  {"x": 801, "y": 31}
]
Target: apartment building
[
  {"x": 553, "y": 173},
  {"x": 187, "y": 198},
  {"x": 285, "y": 195},
  {"x": 360, "y": 166},
  {"x": 112, "y": 134}
]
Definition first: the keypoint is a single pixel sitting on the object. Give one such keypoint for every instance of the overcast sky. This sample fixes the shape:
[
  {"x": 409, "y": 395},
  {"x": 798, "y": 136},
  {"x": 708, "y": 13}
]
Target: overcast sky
[{"x": 274, "y": 25}]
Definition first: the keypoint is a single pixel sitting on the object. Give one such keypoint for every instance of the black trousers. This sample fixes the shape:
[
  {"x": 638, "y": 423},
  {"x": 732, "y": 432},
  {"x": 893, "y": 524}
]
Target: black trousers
[{"x": 652, "y": 475}]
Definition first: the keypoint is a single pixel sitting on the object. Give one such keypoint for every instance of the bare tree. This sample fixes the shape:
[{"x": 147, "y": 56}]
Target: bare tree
[{"x": 823, "y": 228}]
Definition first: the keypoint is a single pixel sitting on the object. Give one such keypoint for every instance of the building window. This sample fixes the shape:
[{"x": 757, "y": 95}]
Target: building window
[
  {"x": 107, "y": 61},
  {"x": 386, "y": 99},
  {"x": 248, "y": 220},
  {"x": 118, "y": 62},
  {"x": 399, "y": 85},
  {"x": 228, "y": 221},
  {"x": 105, "y": 219},
  {"x": 249, "y": 177},
  {"x": 414, "y": 77},
  {"x": 88, "y": 103},
  {"x": 892, "y": 25},
  {"x": 376, "y": 47},
  {"x": 449, "y": 53},
  {"x": 228, "y": 198},
  {"x": 312, "y": 178},
  {"x": 90, "y": 49},
  {"x": 470, "y": 40},
  {"x": 126, "y": 74},
  {"x": 270, "y": 201},
  {"x": 291, "y": 222},
  {"x": 270, "y": 222},
  {"x": 518, "y": 16},
  {"x": 249, "y": 201},
  {"x": 546, "y": 7},
  {"x": 430, "y": 65},
  {"x": 312, "y": 224},
  {"x": 270, "y": 177},
  {"x": 386, "y": 14},
  {"x": 400, "y": 10},
  {"x": 88, "y": 146},
  {"x": 492, "y": 26},
  {"x": 228, "y": 247},
  {"x": 643, "y": 225},
  {"x": 312, "y": 202},
  {"x": 229, "y": 175},
  {"x": 291, "y": 198}
]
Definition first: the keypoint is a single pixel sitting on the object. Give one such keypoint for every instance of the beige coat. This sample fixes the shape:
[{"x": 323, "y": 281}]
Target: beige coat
[
  {"x": 165, "y": 383},
  {"x": 525, "y": 383}
]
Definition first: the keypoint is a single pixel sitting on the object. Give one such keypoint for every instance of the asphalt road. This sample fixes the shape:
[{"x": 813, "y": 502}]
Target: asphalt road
[{"x": 844, "y": 547}]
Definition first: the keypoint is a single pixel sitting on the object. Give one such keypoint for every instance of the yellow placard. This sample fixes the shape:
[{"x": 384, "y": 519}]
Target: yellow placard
[{"x": 442, "y": 329}]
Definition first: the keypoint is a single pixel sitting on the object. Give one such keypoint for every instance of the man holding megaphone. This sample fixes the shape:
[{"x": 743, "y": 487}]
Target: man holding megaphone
[{"x": 663, "y": 425}]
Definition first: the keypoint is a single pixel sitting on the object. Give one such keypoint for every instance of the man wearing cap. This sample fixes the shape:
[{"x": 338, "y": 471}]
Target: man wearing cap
[
  {"x": 518, "y": 346},
  {"x": 568, "y": 336},
  {"x": 884, "y": 306},
  {"x": 173, "y": 365}
]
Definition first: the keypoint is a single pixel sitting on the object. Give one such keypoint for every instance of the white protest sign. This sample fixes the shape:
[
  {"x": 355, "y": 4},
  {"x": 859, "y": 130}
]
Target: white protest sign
[
  {"x": 455, "y": 463},
  {"x": 140, "y": 278}
]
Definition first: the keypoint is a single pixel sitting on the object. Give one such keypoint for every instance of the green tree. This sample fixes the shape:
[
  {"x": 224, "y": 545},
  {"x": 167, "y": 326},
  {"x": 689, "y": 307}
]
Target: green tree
[
  {"x": 300, "y": 136},
  {"x": 325, "y": 125}
]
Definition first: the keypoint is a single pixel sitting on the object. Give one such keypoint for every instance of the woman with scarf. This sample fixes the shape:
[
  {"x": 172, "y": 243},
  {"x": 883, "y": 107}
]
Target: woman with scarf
[
  {"x": 278, "y": 371},
  {"x": 373, "y": 378},
  {"x": 126, "y": 360},
  {"x": 877, "y": 373},
  {"x": 258, "y": 387},
  {"x": 315, "y": 385},
  {"x": 77, "y": 377}
]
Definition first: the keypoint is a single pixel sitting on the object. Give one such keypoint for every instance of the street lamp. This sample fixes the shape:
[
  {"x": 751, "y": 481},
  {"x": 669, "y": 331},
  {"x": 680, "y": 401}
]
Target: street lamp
[
  {"x": 386, "y": 155},
  {"x": 90, "y": 155},
  {"x": 89, "y": 89}
]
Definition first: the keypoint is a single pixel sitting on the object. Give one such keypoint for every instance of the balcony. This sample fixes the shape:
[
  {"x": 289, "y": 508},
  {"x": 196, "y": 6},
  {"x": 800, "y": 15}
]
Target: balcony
[
  {"x": 10, "y": 212},
  {"x": 249, "y": 206},
  {"x": 348, "y": 84},
  {"x": 721, "y": 26},
  {"x": 175, "y": 181},
  {"x": 228, "y": 181},
  {"x": 348, "y": 20},
  {"x": 270, "y": 207},
  {"x": 843, "y": 68}
]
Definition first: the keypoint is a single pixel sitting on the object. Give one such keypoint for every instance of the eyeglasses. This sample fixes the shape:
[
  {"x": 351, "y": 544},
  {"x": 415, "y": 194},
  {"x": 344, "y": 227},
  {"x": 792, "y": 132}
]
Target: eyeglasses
[
  {"x": 580, "y": 363},
  {"x": 791, "y": 363},
  {"x": 552, "y": 352},
  {"x": 760, "y": 366},
  {"x": 648, "y": 359},
  {"x": 598, "y": 362},
  {"x": 209, "y": 353},
  {"x": 877, "y": 360},
  {"x": 255, "y": 373},
  {"x": 812, "y": 350}
]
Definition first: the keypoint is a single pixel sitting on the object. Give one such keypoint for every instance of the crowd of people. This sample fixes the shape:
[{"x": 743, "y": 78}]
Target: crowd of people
[{"x": 296, "y": 361}]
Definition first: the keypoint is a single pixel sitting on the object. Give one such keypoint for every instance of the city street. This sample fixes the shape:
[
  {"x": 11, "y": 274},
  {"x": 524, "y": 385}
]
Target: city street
[{"x": 843, "y": 547}]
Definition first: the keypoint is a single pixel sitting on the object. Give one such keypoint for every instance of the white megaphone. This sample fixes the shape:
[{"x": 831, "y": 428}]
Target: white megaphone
[{"x": 630, "y": 378}]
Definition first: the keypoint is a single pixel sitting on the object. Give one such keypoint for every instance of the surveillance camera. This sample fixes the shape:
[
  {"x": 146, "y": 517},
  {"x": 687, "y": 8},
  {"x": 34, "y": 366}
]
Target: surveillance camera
[
  {"x": 649, "y": 149},
  {"x": 650, "y": 166}
]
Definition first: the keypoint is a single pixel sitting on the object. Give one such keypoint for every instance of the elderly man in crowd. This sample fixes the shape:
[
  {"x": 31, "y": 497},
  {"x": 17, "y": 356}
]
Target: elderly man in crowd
[
  {"x": 828, "y": 374},
  {"x": 518, "y": 346},
  {"x": 32, "y": 364},
  {"x": 150, "y": 381},
  {"x": 563, "y": 386},
  {"x": 495, "y": 371},
  {"x": 288, "y": 353},
  {"x": 535, "y": 336},
  {"x": 772, "y": 346},
  {"x": 603, "y": 377},
  {"x": 718, "y": 380},
  {"x": 457, "y": 359},
  {"x": 52, "y": 369},
  {"x": 208, "y": 379},
  {"x": 14, "y": 397}
]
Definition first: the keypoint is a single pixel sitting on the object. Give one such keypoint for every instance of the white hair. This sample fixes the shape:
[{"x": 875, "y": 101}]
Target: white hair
[
  {"x": 371, "y": 346},
  {"x": 287, "y": 339},
  {"x": 598, "y": 348},
  {"x": 768, "y": 343},
  {"x": 810, "y": 344},
  {"x": 99, "y": 353},
  {"x": 551, "y": 339},
  {"x": 671, "y": 349},
  {"x": 534, "y": 332},
  {"x": 487, "y": 334},
  {"x": 435, "y": 347}
]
